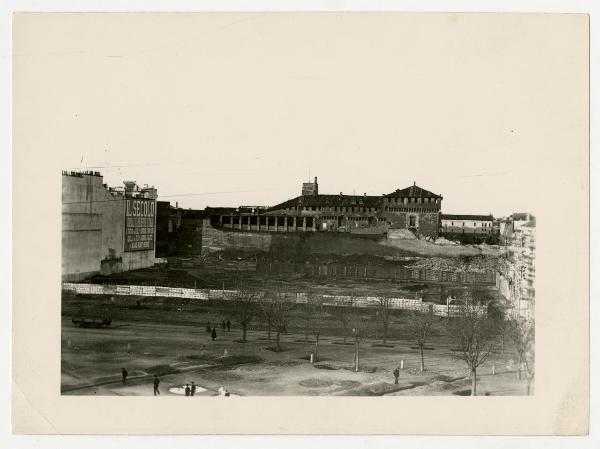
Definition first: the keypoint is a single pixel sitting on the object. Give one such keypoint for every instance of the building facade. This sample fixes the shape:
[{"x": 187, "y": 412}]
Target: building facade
[
  {"x": 412, "y": 208},
  {"x": 105, "y": 230}
]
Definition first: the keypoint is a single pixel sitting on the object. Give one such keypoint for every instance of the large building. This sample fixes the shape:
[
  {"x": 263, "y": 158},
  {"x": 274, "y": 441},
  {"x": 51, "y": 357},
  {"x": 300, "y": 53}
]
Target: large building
[
  {"x": 105, "y": 230},
  {"x": 518, "y": 235},
  {"x": 411, "y": 208},
  {"x": 468, "y": 228}
]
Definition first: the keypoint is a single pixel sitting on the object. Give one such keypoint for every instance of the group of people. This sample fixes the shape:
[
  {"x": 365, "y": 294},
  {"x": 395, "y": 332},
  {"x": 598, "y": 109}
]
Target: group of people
[
  {"x": 156, "y": 382},
  {"x": 225, "y": 325},
  {"x": 190, "y": 390}
]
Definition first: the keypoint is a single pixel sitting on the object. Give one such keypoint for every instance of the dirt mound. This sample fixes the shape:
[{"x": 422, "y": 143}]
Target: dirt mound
[
  {"x": 401, "y": 234},
  {"x": 443, "y": 241}
]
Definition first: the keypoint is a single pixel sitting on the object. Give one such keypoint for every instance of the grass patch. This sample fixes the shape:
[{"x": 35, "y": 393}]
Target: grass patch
[
  {"x": 274, "y": 349},
  {"x": 377, "y": 389},
  {"x": 326, "y": 366},
  {"x": 462, "y": 393},
  {"x": 381, "y": 345},
  {"x": 161, "y": 370},
  {"x": 319, "y": 359},
  {"x": 348, "y": 343},
  {"x": 315, "y": 383},
  {"x": 239, "y": 360}
]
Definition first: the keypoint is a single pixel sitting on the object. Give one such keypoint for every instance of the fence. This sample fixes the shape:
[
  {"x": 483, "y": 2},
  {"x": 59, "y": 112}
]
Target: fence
[{"x": 300, "y": 298}]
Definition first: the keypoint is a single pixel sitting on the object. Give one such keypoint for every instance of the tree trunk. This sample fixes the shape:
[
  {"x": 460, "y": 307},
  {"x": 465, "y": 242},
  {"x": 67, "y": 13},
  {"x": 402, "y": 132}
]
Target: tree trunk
[
  {"x": 345, "y": 336},
  {"x": 474, "y": 382},
  {"x": 269, "y": 331},
  {"x": 422, "y": 359},
  {"x": 316, "y": 348},
  {"x": 528, "y": 386},
  {"x": 244, "y": 333},
  {"x": 278, "y": 348}
]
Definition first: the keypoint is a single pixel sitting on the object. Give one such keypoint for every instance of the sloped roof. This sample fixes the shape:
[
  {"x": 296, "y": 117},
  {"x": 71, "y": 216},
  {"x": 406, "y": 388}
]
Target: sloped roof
[
  {"x": 329, "y": 201},
  {"x": 466, "y": 217},
  {"x": 413, "y": 191}
]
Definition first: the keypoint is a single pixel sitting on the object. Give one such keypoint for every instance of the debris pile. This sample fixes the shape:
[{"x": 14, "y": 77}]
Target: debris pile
[
  {"x": 476, "y": 264},
  {"x": 403, "y": 234}
]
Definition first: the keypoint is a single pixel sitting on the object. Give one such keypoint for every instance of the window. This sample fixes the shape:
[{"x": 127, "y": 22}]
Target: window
[{"x": 412, "y": 221}]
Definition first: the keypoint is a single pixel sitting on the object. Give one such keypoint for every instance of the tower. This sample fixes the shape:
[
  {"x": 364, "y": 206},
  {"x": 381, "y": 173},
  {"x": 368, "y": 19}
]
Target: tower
[{"x": 310, "y": 188}]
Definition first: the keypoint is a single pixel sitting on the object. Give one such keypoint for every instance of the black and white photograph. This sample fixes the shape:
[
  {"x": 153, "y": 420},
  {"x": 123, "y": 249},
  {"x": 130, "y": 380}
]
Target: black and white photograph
[
  {"x": 324, "y": 222},
  {"x": 317, "y": 231}
]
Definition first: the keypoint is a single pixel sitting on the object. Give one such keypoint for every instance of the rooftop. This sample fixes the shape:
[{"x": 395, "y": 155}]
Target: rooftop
[
  {"x": 413, "y": 191},
  {"x": 466, "y": 217}
]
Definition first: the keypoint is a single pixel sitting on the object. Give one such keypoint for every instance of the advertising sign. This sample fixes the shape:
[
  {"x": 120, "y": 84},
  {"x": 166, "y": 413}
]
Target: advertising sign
[{"x": 140, "y": 219}]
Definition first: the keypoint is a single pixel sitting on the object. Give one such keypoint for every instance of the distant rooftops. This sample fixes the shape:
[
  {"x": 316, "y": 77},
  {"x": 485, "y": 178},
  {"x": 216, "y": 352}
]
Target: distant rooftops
[
  {"x": 466, "y": 217},
  {"x": 80, "y": 174},
  {"x": 130, "y": 189},
  {"x": 329, "y": 200}
]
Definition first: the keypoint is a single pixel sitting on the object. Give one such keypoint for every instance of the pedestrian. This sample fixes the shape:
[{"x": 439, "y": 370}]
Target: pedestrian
[
  {"x": 214, "y": 334},
  {"x": 396, "y": 375},
  {"x": 208, "y": 328},
  {"x": 156, "y": 384},
  {"x": 223, "y": 325},
  {"x": 193, "y": 389},
  {"x": 222, "y": 391},
  {"x": 187, "y": 390},
  {"x": 124, "y": 374},
  {"x": 228, "y": 326}
]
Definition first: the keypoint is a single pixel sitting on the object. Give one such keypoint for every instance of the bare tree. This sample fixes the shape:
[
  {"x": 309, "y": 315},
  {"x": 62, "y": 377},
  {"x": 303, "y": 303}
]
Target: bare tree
[
  {"x": 475, "y": 334},
  {"x": 359, "y": 332},
  {"x": 277, "y": 311},
  {"x": 267, "y": 309},
  {"x": 316, "y": 312},
  {"x": 343, "y": 312},
  {"x": 420, "y": 328},
  {"x": 245, "y": 305},
  {"x": 521, "y": 332},
  {"x": 384, "y": 311}
]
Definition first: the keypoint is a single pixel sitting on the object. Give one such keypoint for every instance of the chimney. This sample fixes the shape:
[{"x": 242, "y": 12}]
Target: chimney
[
  {"x": 315, "y": 179},
  {"x": 365, "y": 194}
]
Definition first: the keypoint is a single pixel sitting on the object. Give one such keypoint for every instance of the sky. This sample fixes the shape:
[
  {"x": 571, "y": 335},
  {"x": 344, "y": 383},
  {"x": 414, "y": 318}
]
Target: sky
[{"x": 232, "y": 109}]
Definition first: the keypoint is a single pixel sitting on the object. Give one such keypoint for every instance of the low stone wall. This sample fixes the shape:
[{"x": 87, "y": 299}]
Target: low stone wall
[{"x": 205, "y": 294}]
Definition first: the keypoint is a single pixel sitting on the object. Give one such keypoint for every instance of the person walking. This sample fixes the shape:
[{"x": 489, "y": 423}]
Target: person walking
[
  {"x": 214, "y": 334},
  {"x": 124, "y": 375},
  {"x": 187, "y": 390},
  {"x": 223, "y": 325},
  {"x": 228, "y": 326},
  {"x": 156, "y": 384},
  {"x": 396, "y": 375},
  {"x": 193, "y": 389}
]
